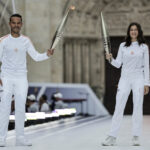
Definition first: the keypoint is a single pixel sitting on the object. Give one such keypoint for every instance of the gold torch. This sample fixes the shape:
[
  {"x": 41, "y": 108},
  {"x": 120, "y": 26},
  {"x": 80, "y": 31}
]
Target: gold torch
[
  {"x": 105, "y": 36},
  {"x": 58, "y": 34}
]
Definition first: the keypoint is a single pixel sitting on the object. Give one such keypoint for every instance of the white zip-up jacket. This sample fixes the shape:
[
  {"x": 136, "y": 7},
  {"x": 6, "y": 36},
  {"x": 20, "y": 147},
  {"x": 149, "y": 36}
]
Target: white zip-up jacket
[
  {"x": 13, "y": 54},
  {"x": 133, "y": 59}
]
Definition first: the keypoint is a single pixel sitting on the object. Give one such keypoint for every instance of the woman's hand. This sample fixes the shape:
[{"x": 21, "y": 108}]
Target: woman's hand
[
  {"x": 146, "y": 90},
  {"x": 108, "y": 56}
]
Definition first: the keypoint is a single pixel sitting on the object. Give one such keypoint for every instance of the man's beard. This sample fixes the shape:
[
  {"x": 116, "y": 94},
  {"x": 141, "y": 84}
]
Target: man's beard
[{"x": 14, "y": 31}]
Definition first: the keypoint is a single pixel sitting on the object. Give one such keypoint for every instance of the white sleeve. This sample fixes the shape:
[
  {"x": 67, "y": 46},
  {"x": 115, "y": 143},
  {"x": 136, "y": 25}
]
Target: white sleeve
[
  {"x": 34, "y": 54},
  {"x": 146, "y": 66},
  {"x": 118, "y": 61},
  {"x": 1, "y": 52}
]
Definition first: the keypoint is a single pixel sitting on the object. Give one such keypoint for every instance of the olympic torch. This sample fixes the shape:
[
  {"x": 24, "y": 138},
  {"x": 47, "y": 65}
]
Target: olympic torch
[
  {"x": 59, "y": 32},
  {"x": 105, "y": 35}
]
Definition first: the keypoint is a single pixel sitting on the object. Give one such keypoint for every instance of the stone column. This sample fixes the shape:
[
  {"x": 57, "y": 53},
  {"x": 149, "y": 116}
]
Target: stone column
[
  {"x": 85, "y": 62},
  {"x": 68, "y": 62},
  {"x": 76, "y": 62},
  {"x": 56, "y": 13},
  {"x": 41, "y": 20},
  {"x": 95, "y": 63}
]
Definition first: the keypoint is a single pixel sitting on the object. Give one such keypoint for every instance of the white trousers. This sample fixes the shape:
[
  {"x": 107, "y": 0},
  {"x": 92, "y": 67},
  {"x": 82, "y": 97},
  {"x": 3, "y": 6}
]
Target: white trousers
[
  {"x": 134, "y": 82},
  {"x": 17, "y": 86}
]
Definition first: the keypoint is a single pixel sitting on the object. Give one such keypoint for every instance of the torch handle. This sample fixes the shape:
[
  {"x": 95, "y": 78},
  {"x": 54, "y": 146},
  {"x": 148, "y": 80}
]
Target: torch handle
[{"x": 109, "y": 60}]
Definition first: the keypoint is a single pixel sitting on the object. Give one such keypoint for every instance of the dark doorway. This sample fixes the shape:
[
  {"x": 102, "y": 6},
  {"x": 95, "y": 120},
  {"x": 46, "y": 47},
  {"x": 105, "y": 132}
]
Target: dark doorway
[{"x": 112, "y": 79}]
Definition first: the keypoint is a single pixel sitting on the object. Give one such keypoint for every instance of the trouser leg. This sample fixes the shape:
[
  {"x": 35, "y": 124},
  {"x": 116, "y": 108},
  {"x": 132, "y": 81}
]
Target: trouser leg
[
  {"x": 5, "y": 106},
  {"x": 137, "y": 117},
  {"x": 121, "y": 99},
  {"x": 20, "y": 92}
]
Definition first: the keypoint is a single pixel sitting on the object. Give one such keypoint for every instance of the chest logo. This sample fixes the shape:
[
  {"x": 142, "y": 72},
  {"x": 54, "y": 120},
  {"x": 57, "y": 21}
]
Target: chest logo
[
  {"x": 132, "y": 52},
  {"x": 16, "y": 50}
]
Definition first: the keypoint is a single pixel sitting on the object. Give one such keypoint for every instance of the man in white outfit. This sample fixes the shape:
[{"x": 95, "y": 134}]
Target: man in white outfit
[
  {"x": 13, "y": 50},
  {"x": 133, "y": 56}
]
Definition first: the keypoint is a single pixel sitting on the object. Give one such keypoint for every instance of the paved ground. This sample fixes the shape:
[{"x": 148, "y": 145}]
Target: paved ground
[{"x": 86, "y": 135}]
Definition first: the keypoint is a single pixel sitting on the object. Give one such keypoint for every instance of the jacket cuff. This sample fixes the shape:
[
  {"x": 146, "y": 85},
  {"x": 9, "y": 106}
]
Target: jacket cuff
[{"x": 146, "y": 83}]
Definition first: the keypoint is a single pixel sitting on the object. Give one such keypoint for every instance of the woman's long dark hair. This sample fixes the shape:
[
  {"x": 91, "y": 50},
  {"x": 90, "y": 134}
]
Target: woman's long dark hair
[{"x": 140, "y": 38}]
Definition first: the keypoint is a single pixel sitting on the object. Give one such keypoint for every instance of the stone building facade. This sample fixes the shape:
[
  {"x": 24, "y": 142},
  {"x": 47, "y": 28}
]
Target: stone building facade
[{"x": 79, "y": 58}]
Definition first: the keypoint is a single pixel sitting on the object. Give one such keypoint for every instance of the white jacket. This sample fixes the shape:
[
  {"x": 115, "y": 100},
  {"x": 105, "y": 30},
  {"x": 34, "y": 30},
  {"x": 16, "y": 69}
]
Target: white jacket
[
  {"x": 13, "y": 54},
  {"x": 133, "y": 59}
]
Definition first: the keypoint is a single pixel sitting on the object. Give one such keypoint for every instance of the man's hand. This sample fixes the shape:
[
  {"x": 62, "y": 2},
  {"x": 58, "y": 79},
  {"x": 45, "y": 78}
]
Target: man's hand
[
  {"x": 50, "y": 52},
  {"x": 1, "y": 83},
  {"x": 146, "y": 90}
]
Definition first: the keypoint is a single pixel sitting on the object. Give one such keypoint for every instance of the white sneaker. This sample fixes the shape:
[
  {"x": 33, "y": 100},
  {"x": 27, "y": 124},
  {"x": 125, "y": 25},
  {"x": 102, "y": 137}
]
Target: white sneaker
[
  {"x": 2, "y": 143},
  {"x": 22, "y": 141},
  {"x": 109, "y": 141},
  {"x": 135, "y": 141}
]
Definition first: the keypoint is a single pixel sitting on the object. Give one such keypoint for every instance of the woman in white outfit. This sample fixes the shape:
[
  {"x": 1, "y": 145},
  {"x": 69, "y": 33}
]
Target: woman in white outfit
[{"x": 133, "y": 56}]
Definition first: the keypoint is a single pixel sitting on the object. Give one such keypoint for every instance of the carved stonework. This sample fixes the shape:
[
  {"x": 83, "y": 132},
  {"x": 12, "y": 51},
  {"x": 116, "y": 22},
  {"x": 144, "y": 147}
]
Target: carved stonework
[
  {"x": 82, "y": 25},
  {"x": 119, "y": 14},
  {"x": 85, "y": 22}
]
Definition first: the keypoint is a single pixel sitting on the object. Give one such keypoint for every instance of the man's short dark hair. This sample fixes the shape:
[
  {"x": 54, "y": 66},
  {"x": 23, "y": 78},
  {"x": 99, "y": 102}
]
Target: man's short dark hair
[{"x": 15, "y": 15}]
